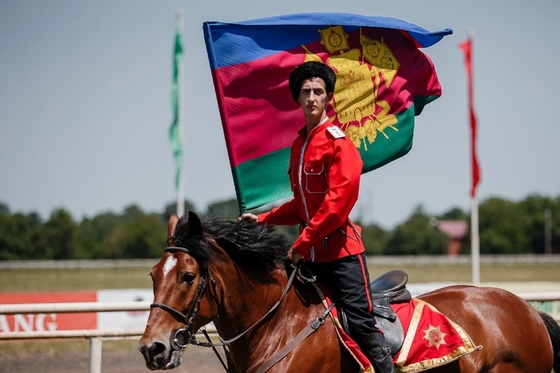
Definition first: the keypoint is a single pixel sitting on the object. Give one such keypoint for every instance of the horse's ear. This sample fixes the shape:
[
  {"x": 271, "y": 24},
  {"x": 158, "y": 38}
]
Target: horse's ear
[
  {"x": 194, "y": 225},
  {"x": 173, "y": 220}
]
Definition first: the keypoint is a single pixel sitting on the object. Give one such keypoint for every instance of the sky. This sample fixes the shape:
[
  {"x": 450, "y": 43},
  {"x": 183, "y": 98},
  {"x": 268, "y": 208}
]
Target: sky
[{"x": 85, "y": 105}]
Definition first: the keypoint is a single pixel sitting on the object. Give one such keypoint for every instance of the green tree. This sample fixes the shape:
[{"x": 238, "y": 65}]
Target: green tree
[
  {"x": 455, "y": 213},
  {"x": 535, "y": 208},
  {"x": 145, "y": 237},
  {"x": 61, "y": 237},
  {"x": 21, "y": 236},
  {"x": 4, "y": 209},
  {"x": 14, "y": 235},
  {"x": 416, "y": 236},
  {"x": 502, "y": 227},
  {"x": 374, "y": 238},
  {"x": 136, "y": 235},
  {"x": 96, "y": 234}
]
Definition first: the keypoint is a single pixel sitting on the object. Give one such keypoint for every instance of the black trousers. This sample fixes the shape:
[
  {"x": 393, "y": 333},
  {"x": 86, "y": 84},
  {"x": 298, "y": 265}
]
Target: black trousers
[{"x": 348, "y": 278}]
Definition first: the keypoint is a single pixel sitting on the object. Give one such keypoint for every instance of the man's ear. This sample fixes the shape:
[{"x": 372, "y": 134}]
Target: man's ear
[{"x": 330, "y": 95}]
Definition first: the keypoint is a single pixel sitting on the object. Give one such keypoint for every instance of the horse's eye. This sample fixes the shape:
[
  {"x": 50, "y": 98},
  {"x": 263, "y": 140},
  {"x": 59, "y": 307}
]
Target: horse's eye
[{"x": 189, "y": 278}]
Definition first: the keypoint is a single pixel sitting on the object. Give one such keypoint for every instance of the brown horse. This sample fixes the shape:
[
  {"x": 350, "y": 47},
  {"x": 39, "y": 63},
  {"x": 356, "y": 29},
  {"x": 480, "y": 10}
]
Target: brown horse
[{"x": 234, "y": 274}]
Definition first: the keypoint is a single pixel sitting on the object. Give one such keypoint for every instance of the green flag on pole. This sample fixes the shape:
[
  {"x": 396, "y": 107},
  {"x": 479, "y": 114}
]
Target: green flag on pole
[{"x": 174, "y": 135}]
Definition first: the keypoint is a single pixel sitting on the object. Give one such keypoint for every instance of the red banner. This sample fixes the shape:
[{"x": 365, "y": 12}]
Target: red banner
[
  {"x": 466, "y": 47},
  {"x": 48, "y": 321}
]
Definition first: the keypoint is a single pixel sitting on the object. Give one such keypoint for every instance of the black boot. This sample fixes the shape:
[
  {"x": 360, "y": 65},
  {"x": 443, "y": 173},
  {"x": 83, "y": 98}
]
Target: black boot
[{"x": 378, "y": 352}]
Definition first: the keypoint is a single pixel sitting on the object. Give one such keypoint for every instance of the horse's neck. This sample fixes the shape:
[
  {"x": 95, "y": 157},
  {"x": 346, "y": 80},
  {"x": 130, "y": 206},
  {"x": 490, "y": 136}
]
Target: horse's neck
[{"x": 246, "y": 301}]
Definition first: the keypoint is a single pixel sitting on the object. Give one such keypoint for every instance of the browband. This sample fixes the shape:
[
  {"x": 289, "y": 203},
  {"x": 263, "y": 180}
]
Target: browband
[{"x": 174, "y": 249}]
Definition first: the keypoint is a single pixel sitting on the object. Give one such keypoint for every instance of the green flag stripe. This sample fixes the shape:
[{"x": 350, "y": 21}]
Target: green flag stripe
[
  {"x": 263, "y": 179},
  {"x": 391, "y": 144}
]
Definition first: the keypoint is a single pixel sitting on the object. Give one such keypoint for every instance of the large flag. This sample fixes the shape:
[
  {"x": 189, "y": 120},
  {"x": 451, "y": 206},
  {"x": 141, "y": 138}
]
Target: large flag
[
  {"x": 174, "y": 135},
  {"x": 383, "y": 81},
  {"x": 466, "y": 47}
]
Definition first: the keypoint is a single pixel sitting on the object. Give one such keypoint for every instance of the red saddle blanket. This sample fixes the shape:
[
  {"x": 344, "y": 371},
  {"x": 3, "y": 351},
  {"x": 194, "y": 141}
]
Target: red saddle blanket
[{"x": 431, "y": 338}]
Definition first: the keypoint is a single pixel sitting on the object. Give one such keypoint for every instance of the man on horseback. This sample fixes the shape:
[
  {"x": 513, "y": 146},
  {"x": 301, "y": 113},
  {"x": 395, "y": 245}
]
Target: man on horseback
[{"x": 324, "y": 170}]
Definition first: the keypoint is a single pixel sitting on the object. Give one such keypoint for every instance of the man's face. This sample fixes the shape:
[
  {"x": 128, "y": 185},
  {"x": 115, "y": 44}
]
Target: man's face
[{"x": 313, "y": 97}]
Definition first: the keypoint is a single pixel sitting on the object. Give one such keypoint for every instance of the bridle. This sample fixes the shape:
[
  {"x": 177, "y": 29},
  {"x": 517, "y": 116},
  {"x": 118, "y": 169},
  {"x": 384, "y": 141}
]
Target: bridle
[
  {"x": 179, "y": 341},
  {"x": 185, "y": 336}
]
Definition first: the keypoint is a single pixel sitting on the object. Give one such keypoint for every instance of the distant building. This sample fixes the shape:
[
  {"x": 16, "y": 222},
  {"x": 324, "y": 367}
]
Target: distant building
[{"x": 457, "y": 231}]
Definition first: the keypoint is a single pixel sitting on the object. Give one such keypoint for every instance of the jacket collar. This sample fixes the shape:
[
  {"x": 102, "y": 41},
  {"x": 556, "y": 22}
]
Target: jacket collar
[{"x": 303, "y": 131}]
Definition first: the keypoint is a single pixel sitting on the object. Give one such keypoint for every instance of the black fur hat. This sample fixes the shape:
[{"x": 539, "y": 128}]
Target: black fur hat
[{"x": 311, "y": 69}]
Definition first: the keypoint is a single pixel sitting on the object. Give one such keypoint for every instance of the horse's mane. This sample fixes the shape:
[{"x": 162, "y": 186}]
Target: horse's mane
[{"x": 249, "y": 244}]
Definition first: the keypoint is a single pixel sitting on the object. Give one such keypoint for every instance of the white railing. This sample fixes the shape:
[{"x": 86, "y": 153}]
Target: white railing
[{"x": 96, "y": 336}]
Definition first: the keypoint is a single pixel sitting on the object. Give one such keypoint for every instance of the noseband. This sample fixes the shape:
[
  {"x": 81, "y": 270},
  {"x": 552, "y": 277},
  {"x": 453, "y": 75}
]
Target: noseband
[{"x": 183, "y": 336}]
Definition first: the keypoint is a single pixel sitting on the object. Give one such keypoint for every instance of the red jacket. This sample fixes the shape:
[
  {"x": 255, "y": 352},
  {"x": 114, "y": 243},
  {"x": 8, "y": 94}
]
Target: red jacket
[{"x": 324, "y": 171}]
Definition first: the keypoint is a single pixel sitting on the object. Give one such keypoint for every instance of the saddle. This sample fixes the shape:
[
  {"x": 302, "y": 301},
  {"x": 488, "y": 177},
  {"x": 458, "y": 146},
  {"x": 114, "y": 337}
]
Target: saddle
[{"x": 386, "y": 289}]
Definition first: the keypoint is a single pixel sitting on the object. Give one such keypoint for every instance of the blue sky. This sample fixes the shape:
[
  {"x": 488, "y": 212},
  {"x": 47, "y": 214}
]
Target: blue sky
[{"x": 85, "y": 105}]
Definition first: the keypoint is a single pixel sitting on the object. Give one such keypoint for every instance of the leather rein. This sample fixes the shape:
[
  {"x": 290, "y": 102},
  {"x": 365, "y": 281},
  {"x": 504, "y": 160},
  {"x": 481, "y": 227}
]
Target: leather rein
[{"x": 179, "y": 341}]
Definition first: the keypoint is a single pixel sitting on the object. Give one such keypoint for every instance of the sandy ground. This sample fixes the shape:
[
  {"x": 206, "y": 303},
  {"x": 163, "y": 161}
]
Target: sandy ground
[{"x": 114, "y": 360}]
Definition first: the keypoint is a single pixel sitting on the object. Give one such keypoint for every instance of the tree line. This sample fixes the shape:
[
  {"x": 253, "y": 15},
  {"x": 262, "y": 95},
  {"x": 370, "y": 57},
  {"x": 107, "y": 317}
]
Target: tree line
[{"x": 505, "y": 227}]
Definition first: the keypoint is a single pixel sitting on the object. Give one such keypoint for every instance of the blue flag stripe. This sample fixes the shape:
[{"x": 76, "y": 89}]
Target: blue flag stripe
[{"x": 267, "y": 36}]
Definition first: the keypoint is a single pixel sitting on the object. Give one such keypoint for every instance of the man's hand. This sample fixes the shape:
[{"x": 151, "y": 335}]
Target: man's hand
[
  {"x": 294, "y": 256},
  {"x": 248, "y": 216}
]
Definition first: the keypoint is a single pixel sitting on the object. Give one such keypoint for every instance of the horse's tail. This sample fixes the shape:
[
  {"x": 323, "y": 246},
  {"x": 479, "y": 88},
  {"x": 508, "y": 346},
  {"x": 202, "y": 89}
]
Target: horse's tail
[{"x": 554, "y": 333}]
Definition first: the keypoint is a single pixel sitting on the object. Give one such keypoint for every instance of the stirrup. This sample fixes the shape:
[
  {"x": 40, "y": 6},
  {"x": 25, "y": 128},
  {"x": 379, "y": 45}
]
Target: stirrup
[{"x": 304, "y": 274}]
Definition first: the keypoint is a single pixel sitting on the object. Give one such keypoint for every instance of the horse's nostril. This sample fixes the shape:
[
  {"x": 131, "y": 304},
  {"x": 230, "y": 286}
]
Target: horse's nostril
[
  {"x": 157, "y": 348},
  {"x": 155, "y": 355}
]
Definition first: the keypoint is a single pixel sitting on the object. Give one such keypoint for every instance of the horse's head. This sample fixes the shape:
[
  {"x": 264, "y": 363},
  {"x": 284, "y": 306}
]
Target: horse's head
[
  {"x": 210, "y": 268},
  {"x": 181, "y": 291}
]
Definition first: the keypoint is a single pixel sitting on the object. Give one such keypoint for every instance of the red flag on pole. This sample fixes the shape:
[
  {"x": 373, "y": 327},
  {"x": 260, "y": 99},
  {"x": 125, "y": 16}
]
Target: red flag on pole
[{"x": 466, "y": 46}]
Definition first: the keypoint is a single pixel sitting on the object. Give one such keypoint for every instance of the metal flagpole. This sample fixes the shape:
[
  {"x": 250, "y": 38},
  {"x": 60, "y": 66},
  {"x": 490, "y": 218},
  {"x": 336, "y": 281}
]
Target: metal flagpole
[
  {"x": 475, "y": 242},
  {"x": 181, "y": 183}
]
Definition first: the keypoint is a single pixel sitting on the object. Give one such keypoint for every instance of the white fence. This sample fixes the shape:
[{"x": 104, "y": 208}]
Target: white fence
[{"x": 95, "y": 336}]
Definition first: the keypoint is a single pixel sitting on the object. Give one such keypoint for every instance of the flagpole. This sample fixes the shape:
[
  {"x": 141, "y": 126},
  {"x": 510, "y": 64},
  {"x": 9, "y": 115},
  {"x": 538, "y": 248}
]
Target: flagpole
[
  {"x": 181, "y": 183},
  {"x": 475, "y": 172},
  {"x": 475, "y": 242}
]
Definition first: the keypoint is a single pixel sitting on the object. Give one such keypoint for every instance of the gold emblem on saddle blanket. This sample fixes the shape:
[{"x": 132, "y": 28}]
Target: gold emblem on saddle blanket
[
  {"x": 360, "y": 114},
  {"x": 434, "y": 336}
]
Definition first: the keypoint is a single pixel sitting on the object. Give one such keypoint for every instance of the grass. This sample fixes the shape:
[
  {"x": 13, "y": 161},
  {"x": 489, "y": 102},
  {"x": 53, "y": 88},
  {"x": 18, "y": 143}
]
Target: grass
[{"x": 40, "y": 280}]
